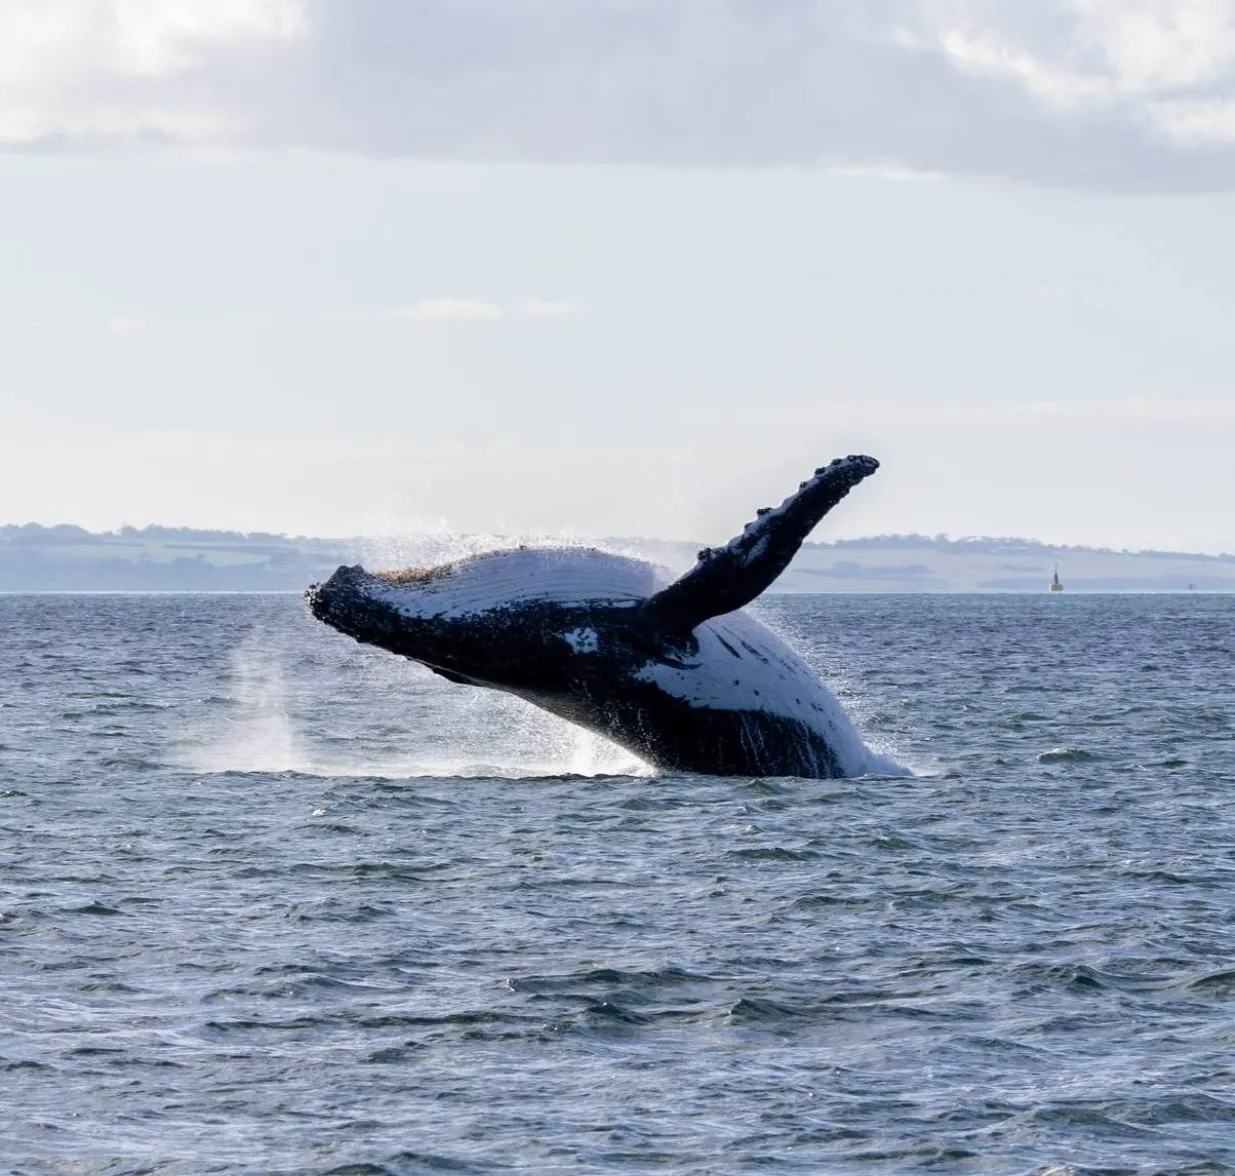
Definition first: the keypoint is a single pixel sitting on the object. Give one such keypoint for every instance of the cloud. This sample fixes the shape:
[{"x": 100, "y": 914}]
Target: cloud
[
  {"x": 1111, "y": 94},
  {"x": 1094, "y": 53},
  {"x": 1200, "y": 122},
  {"x": 444, "y": 310},
  {"x": 1056, "y": 291},
  {"x": 1161, "y": 406},
  {"x": 121, "y": 326},
  {"x": 85, "y": 72},
  {"x": 895, "y": 173},
  {"x": 539, "y": 309},
  {"x": 1172, "y": 405}
]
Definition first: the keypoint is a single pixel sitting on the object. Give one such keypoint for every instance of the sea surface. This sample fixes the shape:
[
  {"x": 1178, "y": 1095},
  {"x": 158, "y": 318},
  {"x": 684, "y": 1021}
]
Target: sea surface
[{"x": 274, "y": 903}]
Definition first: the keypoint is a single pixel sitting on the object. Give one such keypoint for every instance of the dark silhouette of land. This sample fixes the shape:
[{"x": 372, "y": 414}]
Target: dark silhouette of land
[{"x": 66, "y": 558}]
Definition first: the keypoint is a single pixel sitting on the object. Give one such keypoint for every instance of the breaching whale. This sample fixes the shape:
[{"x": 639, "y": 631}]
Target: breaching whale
[{"x": 671, "y": 671}]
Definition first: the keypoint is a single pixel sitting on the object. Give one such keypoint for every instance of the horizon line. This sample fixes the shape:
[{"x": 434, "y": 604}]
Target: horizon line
[{"x": 941, "y": 538}]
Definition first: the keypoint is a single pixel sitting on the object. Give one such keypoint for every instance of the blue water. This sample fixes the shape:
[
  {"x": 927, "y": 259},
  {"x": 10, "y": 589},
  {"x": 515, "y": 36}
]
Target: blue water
[{"x": 273, "y": 903}]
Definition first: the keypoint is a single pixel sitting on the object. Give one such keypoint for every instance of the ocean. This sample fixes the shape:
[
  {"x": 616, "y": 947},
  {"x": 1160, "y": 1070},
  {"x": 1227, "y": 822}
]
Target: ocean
[{"x": 271, "y": 902}]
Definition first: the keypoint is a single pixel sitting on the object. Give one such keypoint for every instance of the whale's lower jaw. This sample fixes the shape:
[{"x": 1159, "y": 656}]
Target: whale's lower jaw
[
  {"x": 744, "y": 743},
  {"x": 673, "y": 735}
]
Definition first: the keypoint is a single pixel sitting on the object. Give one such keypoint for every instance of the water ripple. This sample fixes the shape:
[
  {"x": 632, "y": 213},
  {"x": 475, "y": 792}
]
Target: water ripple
[{"x": 273, "y": 902}]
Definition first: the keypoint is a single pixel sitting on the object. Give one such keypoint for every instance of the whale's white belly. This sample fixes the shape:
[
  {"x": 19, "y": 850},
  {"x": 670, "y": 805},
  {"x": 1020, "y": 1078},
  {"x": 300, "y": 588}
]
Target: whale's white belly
[{"x": 743, "y": 666}]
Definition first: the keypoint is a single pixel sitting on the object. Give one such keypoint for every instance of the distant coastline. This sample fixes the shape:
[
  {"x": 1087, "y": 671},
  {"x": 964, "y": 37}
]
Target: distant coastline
[{"x": 67, "y": 558}]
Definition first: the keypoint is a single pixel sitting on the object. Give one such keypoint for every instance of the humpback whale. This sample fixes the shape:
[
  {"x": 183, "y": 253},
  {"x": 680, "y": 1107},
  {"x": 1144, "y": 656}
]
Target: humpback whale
[{"x": 672, "y": 671}]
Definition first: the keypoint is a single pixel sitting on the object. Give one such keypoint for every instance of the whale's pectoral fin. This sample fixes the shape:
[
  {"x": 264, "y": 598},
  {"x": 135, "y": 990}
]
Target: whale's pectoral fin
[{"x": 726, "y": 578}]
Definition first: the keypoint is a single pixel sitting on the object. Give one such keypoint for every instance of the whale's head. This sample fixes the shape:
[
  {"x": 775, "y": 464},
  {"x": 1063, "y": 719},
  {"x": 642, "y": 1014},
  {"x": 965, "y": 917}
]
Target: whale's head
[{"x": 489, "y": 619}]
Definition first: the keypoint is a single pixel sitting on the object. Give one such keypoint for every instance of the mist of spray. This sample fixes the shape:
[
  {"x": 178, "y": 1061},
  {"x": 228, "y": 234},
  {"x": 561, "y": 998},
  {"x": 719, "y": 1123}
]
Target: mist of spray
[{"x": 357, "y": 713}]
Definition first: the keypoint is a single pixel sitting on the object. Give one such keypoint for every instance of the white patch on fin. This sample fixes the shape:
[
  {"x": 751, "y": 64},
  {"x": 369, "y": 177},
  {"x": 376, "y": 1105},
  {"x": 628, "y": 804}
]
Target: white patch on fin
[{"x": 583, "y": 640}]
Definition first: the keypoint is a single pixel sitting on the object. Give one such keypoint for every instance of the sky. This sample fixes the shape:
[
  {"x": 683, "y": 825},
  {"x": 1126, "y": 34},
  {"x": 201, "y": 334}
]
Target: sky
[{"x": 619, "y": 267}]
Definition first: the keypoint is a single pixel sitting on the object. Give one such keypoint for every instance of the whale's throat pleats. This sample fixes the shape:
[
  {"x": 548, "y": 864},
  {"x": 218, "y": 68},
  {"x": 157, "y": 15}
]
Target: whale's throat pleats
[{"x": 727, "y": 578}]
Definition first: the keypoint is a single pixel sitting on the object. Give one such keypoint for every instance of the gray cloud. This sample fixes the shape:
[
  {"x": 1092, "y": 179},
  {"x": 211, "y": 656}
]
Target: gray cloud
[{"x": 1106, "y": 94}]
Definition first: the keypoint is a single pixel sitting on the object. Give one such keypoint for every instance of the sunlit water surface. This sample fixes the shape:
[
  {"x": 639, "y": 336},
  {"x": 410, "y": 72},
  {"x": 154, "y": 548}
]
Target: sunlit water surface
[{"x": 270, "y": 902}]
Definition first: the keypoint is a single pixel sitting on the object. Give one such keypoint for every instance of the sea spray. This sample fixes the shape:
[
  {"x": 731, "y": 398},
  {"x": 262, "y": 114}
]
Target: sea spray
[{"x": 447, "y": 730}]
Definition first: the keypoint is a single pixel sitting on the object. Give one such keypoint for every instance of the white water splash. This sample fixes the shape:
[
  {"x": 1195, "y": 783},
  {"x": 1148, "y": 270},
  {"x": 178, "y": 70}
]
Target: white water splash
[
  {"x": 258, "y": 733},
  {"x": 272, "y": 726}
]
